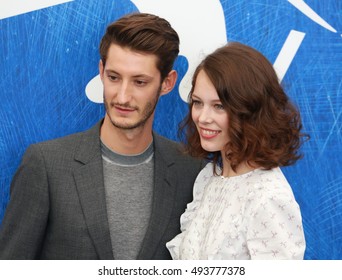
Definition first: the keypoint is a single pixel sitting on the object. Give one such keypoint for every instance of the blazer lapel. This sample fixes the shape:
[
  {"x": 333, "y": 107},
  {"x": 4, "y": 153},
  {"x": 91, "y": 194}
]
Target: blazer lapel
[
  {"x": 163, "y": 200},
  {"x": 90, "y": 187}
]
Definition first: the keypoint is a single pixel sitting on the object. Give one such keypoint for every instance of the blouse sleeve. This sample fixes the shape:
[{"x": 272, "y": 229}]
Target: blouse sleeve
[
  {"x": 191, "y": 209},
  {"x": 275, "y": 227}
]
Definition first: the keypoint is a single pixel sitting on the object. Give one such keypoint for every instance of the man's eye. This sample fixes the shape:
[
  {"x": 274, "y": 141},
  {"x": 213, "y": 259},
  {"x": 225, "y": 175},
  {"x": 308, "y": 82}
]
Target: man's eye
[
  {"x": 140, "y": 83},
  {"x": 112, "y": 78}
]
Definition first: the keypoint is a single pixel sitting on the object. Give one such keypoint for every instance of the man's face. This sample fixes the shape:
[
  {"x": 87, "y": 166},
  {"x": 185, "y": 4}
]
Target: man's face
[{"x": 132, "y": 86}]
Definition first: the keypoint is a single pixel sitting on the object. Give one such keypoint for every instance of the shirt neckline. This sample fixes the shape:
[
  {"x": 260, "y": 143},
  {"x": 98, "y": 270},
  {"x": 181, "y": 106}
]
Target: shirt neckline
[{"x": 127, "y": 160}]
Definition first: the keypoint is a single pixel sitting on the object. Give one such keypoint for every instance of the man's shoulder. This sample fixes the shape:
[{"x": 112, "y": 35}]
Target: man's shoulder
[
  {"x": 161, "y": 141},
  {"x": 173, "y": 151},
  {"x": 68, "y": 143}
]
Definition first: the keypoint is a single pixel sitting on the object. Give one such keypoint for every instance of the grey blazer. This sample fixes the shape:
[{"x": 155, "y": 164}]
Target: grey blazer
[{"x": 57, "y": 208}]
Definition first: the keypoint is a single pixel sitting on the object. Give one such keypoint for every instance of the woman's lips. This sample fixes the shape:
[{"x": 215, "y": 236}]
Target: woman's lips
[{"x": 209, "y": 133}]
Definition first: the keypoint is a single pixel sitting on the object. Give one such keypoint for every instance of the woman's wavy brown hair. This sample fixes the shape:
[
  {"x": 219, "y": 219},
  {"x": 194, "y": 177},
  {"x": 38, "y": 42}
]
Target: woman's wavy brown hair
[{"x": 264, "y": 126}]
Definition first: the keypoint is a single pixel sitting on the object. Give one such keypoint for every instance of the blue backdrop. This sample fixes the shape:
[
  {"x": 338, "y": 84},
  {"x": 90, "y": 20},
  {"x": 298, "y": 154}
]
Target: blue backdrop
[{"x": 49, "y": 55}]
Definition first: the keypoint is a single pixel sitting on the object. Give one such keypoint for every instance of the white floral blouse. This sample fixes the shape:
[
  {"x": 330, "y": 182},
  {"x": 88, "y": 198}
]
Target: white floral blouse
[{"x": 251, "y": 216}]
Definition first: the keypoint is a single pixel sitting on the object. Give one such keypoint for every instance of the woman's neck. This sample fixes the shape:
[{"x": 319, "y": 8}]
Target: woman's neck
[{"x": 242, "y": 168}]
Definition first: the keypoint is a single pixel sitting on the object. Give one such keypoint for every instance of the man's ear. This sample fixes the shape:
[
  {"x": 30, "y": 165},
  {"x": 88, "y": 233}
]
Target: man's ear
[
  {"x": 101, "y": 69},
  {"x": 169, "y": 82}
]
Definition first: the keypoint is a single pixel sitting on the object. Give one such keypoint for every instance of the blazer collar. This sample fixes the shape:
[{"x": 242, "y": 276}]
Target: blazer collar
[
  {"x": 89, "y": 146},
  {"x": 165, "y": 183},
  {"x": 90, "y": 187}
]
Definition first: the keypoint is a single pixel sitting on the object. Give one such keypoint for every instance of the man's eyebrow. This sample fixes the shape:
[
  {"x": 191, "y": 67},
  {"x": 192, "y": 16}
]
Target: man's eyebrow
[
  {"x": 109, "y": 71},
  {"x": 146, "y": 76}
]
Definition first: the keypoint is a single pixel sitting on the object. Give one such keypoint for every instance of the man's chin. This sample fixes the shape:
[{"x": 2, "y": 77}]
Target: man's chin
[{"x": 127, "y": 126}]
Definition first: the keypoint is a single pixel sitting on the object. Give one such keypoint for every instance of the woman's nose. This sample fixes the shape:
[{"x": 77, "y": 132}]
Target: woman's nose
[{"x": 205, "y": 115}]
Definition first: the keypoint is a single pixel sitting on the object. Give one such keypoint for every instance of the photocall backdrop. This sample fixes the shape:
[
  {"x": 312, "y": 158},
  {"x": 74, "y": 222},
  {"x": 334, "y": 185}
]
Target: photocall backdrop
[{"x": 49, "y": 84}]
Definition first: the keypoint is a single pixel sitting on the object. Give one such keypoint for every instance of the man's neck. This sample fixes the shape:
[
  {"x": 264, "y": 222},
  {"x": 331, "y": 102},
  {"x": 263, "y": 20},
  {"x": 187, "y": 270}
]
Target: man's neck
[{"x": 126, "y": 141}]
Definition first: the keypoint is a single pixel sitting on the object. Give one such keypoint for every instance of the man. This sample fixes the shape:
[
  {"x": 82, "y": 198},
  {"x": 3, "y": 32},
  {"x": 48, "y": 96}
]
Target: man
[{"x": 118, "y": 189}]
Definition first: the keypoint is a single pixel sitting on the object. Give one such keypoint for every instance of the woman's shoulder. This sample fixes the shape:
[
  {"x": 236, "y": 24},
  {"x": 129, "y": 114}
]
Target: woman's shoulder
[
  {"x": 269, "y": 184},
  {"x": 203, "y": 179},
  {"x": 206, "y": 173}
]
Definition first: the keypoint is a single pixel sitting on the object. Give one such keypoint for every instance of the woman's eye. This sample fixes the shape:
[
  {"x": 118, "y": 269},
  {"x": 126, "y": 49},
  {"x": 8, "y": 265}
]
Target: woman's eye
[
  {"x": 219, "y": 106},
  {"x": 196, "y": 103}
]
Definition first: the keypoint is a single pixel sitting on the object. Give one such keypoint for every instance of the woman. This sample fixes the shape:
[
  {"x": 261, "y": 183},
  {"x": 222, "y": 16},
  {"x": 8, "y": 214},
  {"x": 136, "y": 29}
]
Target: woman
[{"x": 243, "y": 122}]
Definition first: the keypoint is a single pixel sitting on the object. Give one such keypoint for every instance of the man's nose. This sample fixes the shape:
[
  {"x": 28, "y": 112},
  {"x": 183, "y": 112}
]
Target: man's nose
[{"x": 123, "y": 93}]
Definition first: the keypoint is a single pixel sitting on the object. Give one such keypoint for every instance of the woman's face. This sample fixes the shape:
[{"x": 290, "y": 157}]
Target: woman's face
[{"x": 209, "y": 116}]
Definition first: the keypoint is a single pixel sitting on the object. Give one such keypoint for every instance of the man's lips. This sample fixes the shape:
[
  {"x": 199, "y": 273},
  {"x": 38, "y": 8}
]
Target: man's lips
[{"x": 124, "y": 109}]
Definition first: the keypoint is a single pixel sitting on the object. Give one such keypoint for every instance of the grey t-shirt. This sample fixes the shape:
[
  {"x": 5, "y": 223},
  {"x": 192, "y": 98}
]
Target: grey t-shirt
[{"x": 128, "y": 182}]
